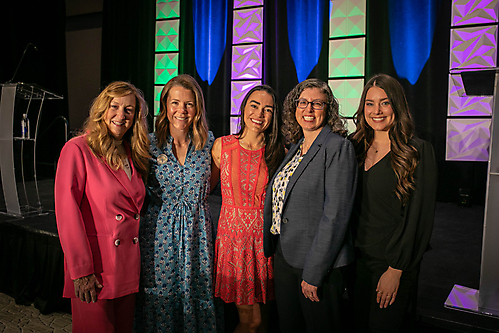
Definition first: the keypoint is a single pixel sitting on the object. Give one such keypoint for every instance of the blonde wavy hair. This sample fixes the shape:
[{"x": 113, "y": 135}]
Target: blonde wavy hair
[
  {"x": 101, "y": 141},
  {"x": 199, "y": 127}
]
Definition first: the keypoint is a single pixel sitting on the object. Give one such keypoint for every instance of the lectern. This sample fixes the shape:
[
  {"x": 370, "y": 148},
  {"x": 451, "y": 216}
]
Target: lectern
[
  {"x": 11, "y": 94},
  {"x": 483, "y": 82}
]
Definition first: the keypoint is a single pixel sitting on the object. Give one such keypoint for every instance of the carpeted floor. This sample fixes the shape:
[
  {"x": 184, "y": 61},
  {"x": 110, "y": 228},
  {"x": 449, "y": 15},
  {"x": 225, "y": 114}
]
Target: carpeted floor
[{"x": 454, "y": 259}]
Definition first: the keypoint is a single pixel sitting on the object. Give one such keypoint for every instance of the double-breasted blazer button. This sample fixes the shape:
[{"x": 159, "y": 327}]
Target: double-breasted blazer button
[
  {"x": 117, "y": 242},
  {"x": 285, "y": 220},
  {"x": 136, "y": 216},
  {"x": 135, "y": 240},
  {"x": 119, "y": 217}
]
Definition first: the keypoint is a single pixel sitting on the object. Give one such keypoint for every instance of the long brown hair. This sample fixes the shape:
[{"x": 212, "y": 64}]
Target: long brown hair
[
  {"x": 103, "y": 144},
  {"x": 274, "y": 143},
  {"x": 199, "y": 127},
  {"x": 292, "y": 129},
  {"x": 404, "y": 156}
]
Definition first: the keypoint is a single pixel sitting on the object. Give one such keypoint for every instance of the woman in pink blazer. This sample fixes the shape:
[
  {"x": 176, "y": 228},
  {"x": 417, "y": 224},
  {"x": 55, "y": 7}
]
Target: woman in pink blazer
[{"x": 99, "y": 192}]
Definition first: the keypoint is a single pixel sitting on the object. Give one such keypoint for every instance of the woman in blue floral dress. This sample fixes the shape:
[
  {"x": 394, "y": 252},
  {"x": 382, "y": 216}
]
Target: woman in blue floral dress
[{"x": 176, "y": 240}]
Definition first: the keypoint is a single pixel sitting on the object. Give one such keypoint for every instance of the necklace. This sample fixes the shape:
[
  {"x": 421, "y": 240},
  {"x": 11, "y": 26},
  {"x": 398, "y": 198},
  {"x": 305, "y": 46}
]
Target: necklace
[{"x": 380, "y": 148}]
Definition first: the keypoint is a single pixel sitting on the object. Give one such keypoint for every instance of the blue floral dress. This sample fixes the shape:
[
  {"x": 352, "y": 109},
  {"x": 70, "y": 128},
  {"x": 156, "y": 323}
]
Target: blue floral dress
[{"x": 176, "y": 243}]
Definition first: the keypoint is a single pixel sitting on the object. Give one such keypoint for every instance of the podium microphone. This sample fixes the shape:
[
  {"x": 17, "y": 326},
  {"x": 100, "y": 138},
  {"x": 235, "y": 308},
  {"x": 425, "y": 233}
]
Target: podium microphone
[{"x": 20, "y": 61}]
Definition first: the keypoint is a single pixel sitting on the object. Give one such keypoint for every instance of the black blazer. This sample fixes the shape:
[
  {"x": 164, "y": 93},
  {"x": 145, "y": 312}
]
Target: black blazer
[{"x": 317, "y": 206}]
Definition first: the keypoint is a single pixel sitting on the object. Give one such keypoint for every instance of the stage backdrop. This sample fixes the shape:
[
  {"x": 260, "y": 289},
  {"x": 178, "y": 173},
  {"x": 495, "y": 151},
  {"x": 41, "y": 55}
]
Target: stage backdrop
[{"x": 406, "y": 41}]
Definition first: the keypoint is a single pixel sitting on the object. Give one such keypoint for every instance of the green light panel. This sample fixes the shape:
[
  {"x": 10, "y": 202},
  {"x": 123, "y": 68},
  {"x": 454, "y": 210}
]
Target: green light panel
[
  {"x": 346, "y": 57},
  {"x": 348, "y": 93},
  {"x": 167, "y": 35},
  {"x": 157, "y": 98},
  {"x": 165, "y": 67},
  {"x": 350, "y": 126},
  {"x": 347, "y": 18},
  {"x": 166, "y": 9}
]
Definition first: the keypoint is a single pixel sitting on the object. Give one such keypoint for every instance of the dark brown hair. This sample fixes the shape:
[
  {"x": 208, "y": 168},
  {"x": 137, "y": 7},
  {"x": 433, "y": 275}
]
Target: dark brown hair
[
  {"x": 404, "y": 156},
  {"x": 291, "y": 129},
  {"x": 274, "y": 143}
]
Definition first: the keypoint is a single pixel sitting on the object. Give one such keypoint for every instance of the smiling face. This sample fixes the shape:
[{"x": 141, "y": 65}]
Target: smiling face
[
  {"x": 311, "y": 119},
  {"x": 119, "y": 115},
  {"x": 258, "y": 111},
  {"x": 378, "y": 110},
  {"x": 180, "y": 108}
]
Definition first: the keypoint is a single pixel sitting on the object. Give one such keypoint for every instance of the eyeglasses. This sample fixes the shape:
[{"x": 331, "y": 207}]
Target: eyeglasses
[{"x": 317, "y": 104}]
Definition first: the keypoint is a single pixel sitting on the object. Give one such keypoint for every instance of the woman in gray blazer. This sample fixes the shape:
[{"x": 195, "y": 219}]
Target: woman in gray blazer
[{"x": 307, "y": 209}]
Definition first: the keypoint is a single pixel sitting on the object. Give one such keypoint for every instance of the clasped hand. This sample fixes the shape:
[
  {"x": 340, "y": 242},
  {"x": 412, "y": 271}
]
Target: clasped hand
[{"x": 86, "y": 288}]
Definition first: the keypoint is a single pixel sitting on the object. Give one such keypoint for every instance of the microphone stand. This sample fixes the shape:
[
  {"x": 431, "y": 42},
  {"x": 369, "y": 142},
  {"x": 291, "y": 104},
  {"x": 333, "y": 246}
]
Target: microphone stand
[{"x": 20, "y": 61}]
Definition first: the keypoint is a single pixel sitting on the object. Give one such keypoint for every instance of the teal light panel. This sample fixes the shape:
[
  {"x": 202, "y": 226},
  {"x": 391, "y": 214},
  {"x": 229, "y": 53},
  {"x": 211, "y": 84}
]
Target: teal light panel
[
  {"x": 348, "y": 92},
  {"x": 166, "y": 47},
  {"x": 347, "y": 58},
  {"x": 157, "y": 98},
  {"x": 167, "y": 35},
  {"x": 167, "y": 9},
  {"x": 165, "y": 67},
  {"x": 347, "y": 18},
  {"x": 350, "y": 126}
]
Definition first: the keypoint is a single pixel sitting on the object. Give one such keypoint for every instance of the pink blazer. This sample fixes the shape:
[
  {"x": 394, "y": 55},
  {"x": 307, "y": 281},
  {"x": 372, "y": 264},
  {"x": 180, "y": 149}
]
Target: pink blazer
[{"x": 98, "y": 212}]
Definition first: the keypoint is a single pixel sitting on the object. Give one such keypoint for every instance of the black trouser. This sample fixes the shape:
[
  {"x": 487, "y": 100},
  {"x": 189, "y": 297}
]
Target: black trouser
[
  {"x": 299, "y": 314},
  {"x": 368, "y": 317}
]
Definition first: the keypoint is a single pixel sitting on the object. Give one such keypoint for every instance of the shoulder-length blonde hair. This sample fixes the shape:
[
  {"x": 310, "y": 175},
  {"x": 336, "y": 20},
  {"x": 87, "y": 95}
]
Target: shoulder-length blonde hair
[
  {"x": 101, "y": 141},
  {"x": 404, "y": 155},
  {"x": 199, "y": 127},
  {"x": 291, "y": 129}
]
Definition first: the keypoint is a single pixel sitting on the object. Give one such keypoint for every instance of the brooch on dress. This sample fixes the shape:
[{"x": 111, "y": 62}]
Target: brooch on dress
[{"x": 162, "y": 159}]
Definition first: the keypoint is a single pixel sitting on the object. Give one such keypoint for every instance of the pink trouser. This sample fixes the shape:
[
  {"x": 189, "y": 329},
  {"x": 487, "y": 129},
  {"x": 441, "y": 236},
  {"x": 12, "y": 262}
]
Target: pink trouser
[{"x": 103, "y": 316}]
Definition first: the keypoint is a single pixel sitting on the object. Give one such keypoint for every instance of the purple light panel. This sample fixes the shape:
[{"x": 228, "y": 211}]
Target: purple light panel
[
  {"x": 463, "y": 298},
  {"x": 466, "y": 12},
  {"x": 460, "y": 105},
  {"x": 468, "y": 139},
  {"x": 248, "y": 26},
  {"x": 238, "y": 91},
  {"x": 247, "y": 3},
  {"x": 247, "y": 62},
  {"x": 235, "y": 125},
  {"x": 474, "y": 47}
]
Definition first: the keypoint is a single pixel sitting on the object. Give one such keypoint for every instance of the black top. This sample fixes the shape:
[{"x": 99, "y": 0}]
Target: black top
[{"x": 385, "y": 229}]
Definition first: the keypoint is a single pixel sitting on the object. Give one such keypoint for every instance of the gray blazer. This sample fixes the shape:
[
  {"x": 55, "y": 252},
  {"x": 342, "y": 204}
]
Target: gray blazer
[{"x": 317, "y": 205}]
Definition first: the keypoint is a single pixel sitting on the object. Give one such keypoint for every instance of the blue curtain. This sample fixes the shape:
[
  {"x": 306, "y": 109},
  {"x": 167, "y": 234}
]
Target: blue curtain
[
  {"x": 305, "y": 26},
  {"x": 210, "y": 34},
  {"x": 412, "y": 26}
]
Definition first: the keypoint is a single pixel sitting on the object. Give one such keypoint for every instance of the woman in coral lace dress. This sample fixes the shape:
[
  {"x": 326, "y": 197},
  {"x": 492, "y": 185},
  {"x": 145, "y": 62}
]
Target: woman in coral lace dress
[{"x": 245, "y": 162}]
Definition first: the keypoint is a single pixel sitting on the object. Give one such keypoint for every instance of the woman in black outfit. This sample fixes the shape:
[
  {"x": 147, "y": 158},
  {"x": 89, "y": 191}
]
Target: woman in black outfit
[{"x": 394, "y": 207}]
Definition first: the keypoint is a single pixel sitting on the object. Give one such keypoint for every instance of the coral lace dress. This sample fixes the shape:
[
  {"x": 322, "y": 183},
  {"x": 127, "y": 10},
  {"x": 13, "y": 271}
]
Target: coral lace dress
[{"x": 243, "y": 274}]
